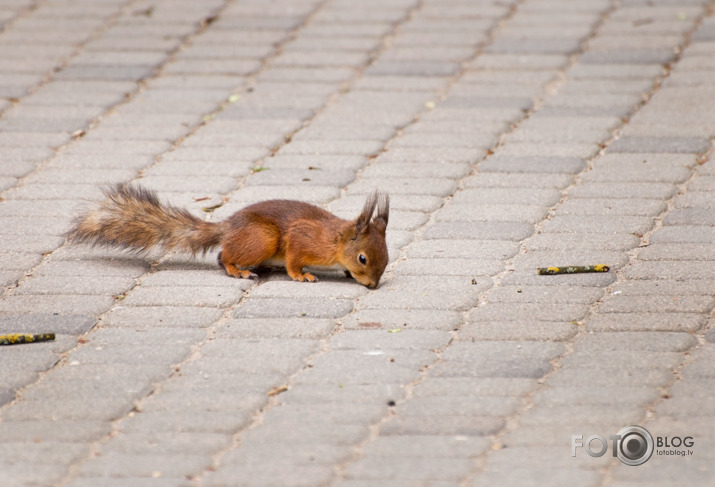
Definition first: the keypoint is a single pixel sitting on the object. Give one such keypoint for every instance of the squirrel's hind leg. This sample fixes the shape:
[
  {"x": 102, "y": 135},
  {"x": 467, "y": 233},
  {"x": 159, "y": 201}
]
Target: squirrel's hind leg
[
  {"x": 233, "y": 271},
  {"x": 243, "y": 250}
]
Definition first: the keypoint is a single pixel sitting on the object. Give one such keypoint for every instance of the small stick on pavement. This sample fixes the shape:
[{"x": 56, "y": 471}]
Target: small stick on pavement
[
  {"x": 15, "y": 338},
  {"x": 572, "y": 269}
]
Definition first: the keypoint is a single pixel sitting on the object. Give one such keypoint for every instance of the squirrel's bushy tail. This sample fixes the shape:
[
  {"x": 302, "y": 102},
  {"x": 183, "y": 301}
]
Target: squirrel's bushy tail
[{"x": 133, "y": 218}]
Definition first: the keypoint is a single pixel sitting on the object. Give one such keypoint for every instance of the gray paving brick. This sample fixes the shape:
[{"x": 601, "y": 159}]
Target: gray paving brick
[
  {"x": 514, "y": 213},
  {"x": 375, "y": 396},
  {"x": 518, "y": 330},
  {"x": 160, "y": 442},
  {"x": 462, "y": 249},
  {"x": 624, "y": 190},
  {"x": 117, "y": 354},
  {"x": 322, "y": 161},
  {"x": 355, "y": 147},
  {"x": 451, "y": 170},
  {"x": 194, "y": 296},
  {"x": 560, "y": 149},
  {"x": 34, "y": 322},
  {"x": 525, "y": 311},
  {"x": 305, "y": 307},
  {"x": 22, "y": 474},
  {"x": 347, "y": 131},
  {"x": 411, "y": 292},
  {"x": 646, "y": 322},
  {"x": 429, "y": 155},
  {"x": 693, "y": 200},
  {"x": 60, "y": 453},
  {"x": 224, "y": 401},
  {"x": 602, "y": 86},
  {"x": 104, "y": 72},
  {"x": 615, "y": 378},
  {"x": 551, "y": 133},
  {"x": 295, "y": 475},
  {"x": 420, "y": 186},
  {"x": 535, "y": 181},
  {"x": 19, "y": 261},
  {"x": 628, "y": 56},
  {"x": 406, "y": 467},
  {"x": 317, "y": 414},
  {"x": 673, "y": 270},
  {"x": 144, "y": 465},
  {"x": 519, "y": 61},
  {"x": 497, "y": 359},
  {"x": 109, "y": 482},
  {"x": 42, "y": 431},
  {"x": 476, "y": 142},
  {"x": 606, "y": 206},
  {"x": 39, "y": 226},
  {"x": 624, "y": 173},
  {"x": 690, "y": 216},
  {"x": 478, "y": 196},
  {"x": 311, "y": 432},
  {"x": 533, "y": 164},
  {"x": 217, "y": 422},
  {"x": 486, "y": 386},
  {"x": 673, "y": 289},
  {"x": 467, "y": 405},
  {"x": 467, "y": 425},
  {"x": 609, "y": 360},
  {"x": 676, "y": 145},
  {"x": 352, "y": 367},
  {"x": 396, "y": 483},
  {"x": 413, "y": 68},
  {"x": 104, "y": 408},
  {"x": 62, "y": 304},
  {"x": 148, "y": 317},
  {"x": 598, "y": 224},
  {"x": 703, "y": 183},
  {"x": 527, "y": 477},
  {"x": 272, "y": 328},
  {"x": 558, "y": 242},
  {"x": 317, "y": 195},
  {"x": 676, "y": 251},
  {"x": 302, "y": 177},
  {"x": 430, "y": 446},
  {"x": 62, "y": 285},
  {"x": 451, "y": 267},
  {"x": 296, "y": 453},
  {"x": 550, "y": 46},
  {"x": 582, "y": 396},
  {"x": 479, "y": 230},
  {"x": 689, "y": 234},
  {"x": 683, "y": 304},
  {"x": 390, "y": 319},
  {"x": 378, "y": 340},
  {"x": 543, "y": 294},
  {"x": 672, "y": 342}
]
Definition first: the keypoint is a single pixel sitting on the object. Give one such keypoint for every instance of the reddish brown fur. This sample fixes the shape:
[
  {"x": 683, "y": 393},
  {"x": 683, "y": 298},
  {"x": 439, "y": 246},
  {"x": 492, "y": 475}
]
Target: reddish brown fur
[{"x": 297, "y": 233}]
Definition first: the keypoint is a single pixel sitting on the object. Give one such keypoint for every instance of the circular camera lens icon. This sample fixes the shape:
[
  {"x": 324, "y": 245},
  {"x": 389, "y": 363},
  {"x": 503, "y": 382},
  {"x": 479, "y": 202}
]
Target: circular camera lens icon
[{"x": 635, "y": 446}]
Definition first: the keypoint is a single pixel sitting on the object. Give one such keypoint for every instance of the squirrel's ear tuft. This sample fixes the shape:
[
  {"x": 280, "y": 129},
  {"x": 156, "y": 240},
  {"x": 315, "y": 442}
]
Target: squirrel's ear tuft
[
  {"x": 362, "y": 221},
  {"x": 383, "y": 211}
]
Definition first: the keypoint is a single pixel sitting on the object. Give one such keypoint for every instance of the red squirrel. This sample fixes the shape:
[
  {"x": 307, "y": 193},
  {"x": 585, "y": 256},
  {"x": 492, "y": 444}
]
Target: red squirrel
[{"x": 293, "y": 234}]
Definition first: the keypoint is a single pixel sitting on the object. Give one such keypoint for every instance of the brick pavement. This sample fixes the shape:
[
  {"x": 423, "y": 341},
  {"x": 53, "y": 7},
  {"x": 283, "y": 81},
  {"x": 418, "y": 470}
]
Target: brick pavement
[{"x": 511, "y": 134}]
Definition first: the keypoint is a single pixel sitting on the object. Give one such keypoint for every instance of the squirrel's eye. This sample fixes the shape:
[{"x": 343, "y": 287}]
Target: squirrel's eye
[{"x": 362, "y": 259}]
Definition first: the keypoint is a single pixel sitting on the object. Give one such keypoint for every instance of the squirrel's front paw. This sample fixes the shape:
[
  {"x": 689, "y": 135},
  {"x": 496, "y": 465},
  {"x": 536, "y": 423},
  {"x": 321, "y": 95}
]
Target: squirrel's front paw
[{"x": 307, "y": 277}]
